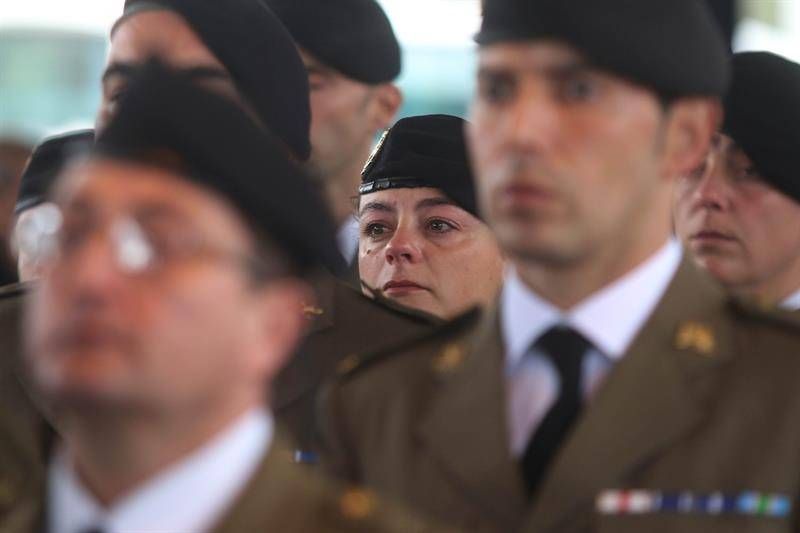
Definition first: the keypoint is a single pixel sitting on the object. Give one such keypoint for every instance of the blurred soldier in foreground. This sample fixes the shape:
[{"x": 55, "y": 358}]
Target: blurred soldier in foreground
[
  {"x": 422, "y": 242},
  {"x": 614, "y": 387},
  {"x": 352, "y": 56},
  {"x": 739, "y": 212},
  {"x": 14, "y": 155},
  {"x": 170, "y": 301}
]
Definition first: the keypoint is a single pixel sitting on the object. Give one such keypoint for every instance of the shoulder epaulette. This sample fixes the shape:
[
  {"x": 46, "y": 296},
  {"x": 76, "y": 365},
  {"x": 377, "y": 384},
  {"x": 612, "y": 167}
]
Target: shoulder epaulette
[
  {"x": 14, "y": 290},
  {"x": 352, "y": 364}
]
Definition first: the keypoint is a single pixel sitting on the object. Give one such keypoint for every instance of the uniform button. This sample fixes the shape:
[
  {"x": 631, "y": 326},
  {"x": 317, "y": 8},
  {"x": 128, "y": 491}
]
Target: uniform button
[{"x": 357, "y": 504}]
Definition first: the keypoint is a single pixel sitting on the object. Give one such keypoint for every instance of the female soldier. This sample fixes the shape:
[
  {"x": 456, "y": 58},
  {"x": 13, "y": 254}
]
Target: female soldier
[{"x": 421, "y": 242}]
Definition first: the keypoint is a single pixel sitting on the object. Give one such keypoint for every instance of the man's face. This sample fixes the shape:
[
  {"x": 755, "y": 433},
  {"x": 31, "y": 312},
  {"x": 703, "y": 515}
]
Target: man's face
[
  {"x": 418, "y": 248},
  {"x": 739, "y": 228},
  {"x": 567, "y": 157},
  {"x": 187, "y": 332},
  {"x": 167, "y": 36},
  {"x": 343, "y": 121}
]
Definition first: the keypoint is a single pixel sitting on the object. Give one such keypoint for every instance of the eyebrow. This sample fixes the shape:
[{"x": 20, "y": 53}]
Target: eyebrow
[
  {"x": 377, "y": 206},
  {"x": 201, "y": 72},
  {"x": 556, "y": 71}
]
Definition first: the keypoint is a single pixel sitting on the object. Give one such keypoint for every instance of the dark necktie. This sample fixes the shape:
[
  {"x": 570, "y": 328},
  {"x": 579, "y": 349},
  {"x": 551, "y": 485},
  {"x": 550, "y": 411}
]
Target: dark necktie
[{"x": 566, "y": 348}]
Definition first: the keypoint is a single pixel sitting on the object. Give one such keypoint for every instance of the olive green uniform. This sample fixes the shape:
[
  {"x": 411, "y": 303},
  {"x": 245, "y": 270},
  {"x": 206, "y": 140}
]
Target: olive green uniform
[
  {"x": 344, "y": 322},
  {"x": 281, "y": 496},
  {"x": 704, "y": 403}
]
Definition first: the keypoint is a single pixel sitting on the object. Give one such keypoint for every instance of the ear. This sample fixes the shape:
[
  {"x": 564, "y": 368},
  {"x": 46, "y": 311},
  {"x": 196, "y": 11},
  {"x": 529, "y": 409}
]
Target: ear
[
  {"x": 691, "y": 123},
  {"x": 281, "y": 323},
  {"x": 387, "y": 100}
]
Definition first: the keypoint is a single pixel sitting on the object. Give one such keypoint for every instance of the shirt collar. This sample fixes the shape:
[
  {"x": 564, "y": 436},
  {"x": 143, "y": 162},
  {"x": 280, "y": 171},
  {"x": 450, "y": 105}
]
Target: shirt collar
[
  {"x": 792, "y": 303},
  {"x": 610, "y": 318},
  {"x": 230, "y": 460}
]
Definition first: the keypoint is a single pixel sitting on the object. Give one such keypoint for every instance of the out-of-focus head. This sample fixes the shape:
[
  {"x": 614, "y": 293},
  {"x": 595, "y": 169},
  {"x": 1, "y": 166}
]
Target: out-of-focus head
[
  {"x": 172, "y": 282},
  {"x": 35, "y": 217},
  {"x": 739, "y": 211},
  {"x": 237, "y": 48},
  {"x": 352, "y": 56},
  {"x": 421, "y": 241},
  {"x": 584, "y": 115}
]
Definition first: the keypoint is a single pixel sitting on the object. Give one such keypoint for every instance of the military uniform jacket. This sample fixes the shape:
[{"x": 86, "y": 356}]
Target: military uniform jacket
[
  {"x": 23, "y": 431},
  {"x": 343, "y": 323},
  {"x": 281, "y": 496},
  {"x": 700, "y": 419}
]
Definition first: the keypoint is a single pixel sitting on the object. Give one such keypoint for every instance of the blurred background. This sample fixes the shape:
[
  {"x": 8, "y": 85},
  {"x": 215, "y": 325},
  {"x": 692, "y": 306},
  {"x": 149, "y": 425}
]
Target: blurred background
[{"x": 52, "y": 52}]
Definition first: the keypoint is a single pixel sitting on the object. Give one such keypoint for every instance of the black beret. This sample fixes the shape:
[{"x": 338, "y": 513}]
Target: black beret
[
  {"x": 46, "y": 163},
  {"x": 762, "y": 114},
  {"x": 423, "y": 151},
  {"x": 353, "y": 37},
  {"x": 674, "y": 47},
  {"x": 260, "y": 55},
  {"x": 221, "y": 148}
]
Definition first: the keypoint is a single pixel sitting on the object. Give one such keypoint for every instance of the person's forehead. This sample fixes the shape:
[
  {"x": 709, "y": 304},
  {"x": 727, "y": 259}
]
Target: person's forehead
[
  {"x": 542, "y": 54},
  {"x": 116, "y": 185},
  {"x": 406, "y": 197},
  {"x": 162, "y": 33}
]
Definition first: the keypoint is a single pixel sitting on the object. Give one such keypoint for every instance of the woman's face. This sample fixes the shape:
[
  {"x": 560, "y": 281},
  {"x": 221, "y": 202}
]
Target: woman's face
[{"x": 417, "y": 247}]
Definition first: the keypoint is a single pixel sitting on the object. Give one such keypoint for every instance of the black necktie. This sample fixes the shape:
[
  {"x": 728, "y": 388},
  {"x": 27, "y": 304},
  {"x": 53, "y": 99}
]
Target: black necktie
[{"x": 566, "y": 348}]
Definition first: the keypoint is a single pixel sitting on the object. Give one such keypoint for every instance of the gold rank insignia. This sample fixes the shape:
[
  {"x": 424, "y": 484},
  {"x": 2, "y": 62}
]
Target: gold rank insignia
[
  {"x": 348, "y": 364},
  {"x": 357, "y": 504},
  {"x": 695, "y": 336},
  {"x": 451, "y": 358},
  {"x": 374, "y": 153},
  {"x": 311, "y": 311}
]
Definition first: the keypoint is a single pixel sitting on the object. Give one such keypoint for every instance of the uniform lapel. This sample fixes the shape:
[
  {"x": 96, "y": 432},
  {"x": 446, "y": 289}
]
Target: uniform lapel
[
  {"x": 654, "y": 396},
  {"x": 302, "y": 374},
  {"x": 466, "y": 427}
]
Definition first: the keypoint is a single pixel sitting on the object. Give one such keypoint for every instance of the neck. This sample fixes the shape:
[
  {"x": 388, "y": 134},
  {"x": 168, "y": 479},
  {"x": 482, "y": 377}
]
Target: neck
[
  {"x": 773, "y": 290},
  {"x": 341, "y": 186},
  {"x": 115, "y": 452},
  {"x": 566, "y": 285}
]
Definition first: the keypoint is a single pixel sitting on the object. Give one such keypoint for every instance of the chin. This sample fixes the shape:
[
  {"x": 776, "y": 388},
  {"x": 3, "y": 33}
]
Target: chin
[{"x": 420, "y": 302}]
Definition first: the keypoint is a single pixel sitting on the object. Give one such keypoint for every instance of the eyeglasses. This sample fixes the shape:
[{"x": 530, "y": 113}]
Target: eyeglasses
[{"x": 141, "y": 245}]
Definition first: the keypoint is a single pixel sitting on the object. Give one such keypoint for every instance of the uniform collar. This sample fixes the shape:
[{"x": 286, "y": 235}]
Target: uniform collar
[
  {"x": 609, "y": 318},
  {"x": 347, "y": 239},
  {"x": 213, "y": 475}
]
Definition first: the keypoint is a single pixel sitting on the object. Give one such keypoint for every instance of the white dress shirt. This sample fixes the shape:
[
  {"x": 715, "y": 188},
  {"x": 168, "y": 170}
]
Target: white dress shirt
[
  {"x": 609, "y": 319},
  {"x": 792, "y": 303},
  {"x": 347, "y": 239},
  {"x": 189, "y": 497}
]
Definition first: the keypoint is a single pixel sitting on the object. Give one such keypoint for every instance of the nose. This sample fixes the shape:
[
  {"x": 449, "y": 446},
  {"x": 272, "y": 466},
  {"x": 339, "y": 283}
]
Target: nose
[
  {"x": 533, "y": 120},
  {"x": 711, "y": 191},
  {"x": 90, "y": 272},
  {"x": 405, "y": 246}
]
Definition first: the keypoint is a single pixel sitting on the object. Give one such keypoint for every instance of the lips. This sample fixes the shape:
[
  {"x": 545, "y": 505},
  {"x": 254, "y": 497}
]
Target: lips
[
  {"x": 712, "y": 235},
  {"x": 402, "y": 286}
]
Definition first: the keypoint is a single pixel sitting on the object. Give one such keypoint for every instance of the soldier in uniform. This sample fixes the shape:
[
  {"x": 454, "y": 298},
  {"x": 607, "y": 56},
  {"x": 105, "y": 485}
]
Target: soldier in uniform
[
  {"x": 739, "y": 212},
  {"x": 170, "y": 299},
  {"x": 422, "y": 241},
  {"x": 614, "y": 387},
  {"x": 352, "y": 57}
]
